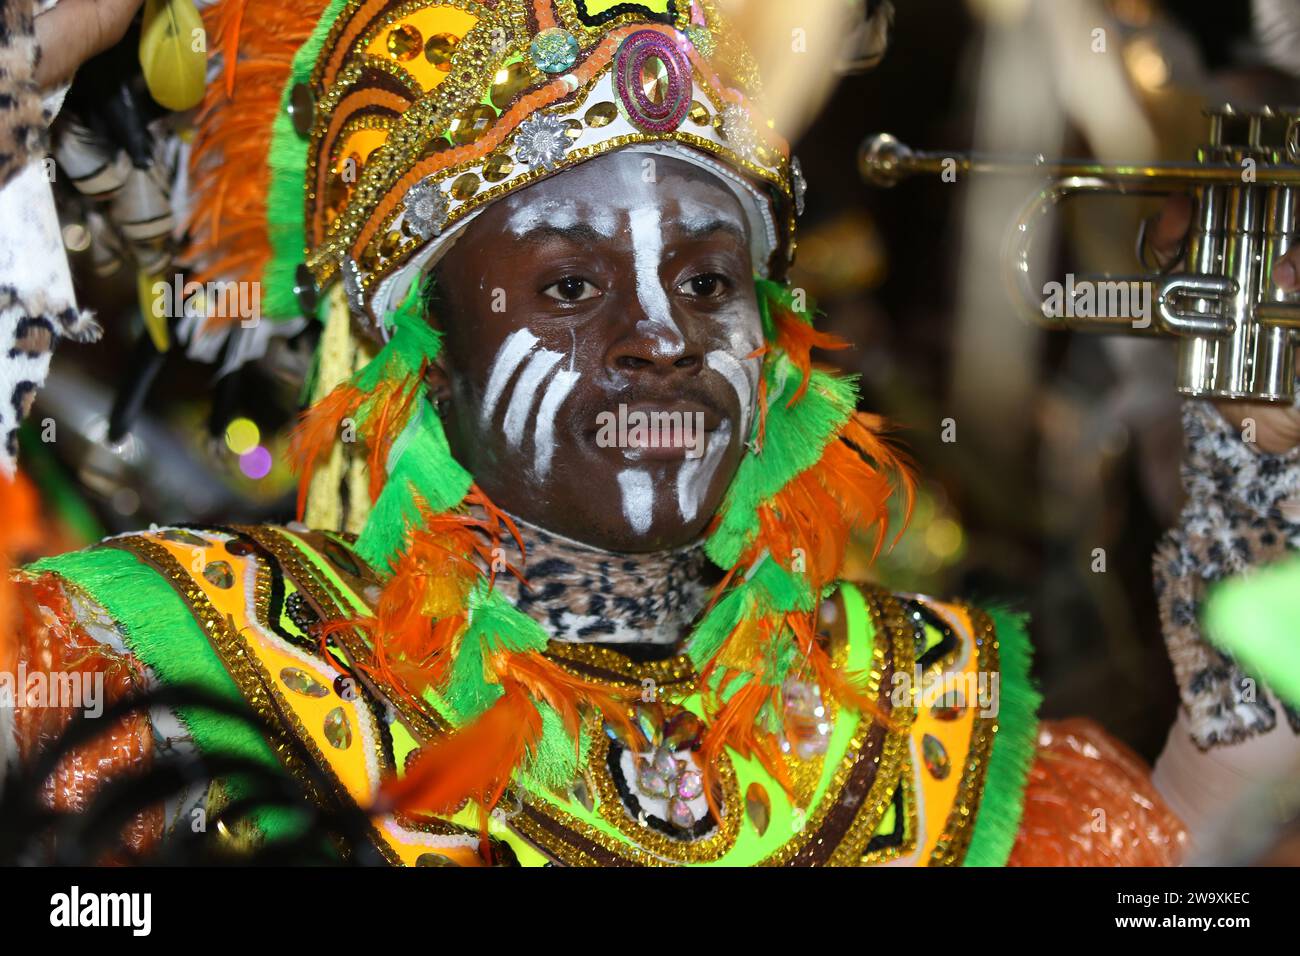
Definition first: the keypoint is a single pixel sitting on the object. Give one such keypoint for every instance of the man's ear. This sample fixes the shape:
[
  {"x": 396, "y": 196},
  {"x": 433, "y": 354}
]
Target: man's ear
[{"x": 437, "y": 382}]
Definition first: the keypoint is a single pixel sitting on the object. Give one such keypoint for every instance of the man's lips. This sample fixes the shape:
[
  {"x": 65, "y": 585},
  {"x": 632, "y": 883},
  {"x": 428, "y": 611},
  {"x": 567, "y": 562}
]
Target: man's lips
[{"x": 668, "y": 431}]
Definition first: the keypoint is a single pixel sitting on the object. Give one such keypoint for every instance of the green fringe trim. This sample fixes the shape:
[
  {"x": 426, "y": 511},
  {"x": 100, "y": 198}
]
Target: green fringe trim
[
  {"x": 420, "y": 464},
  {"x": 497, "y": 625},
  {"x": 162, "y": 632},
  {"x": 795, "y": 439},
  {"x": 767, "y": 589},
  {"x": 285, "y": 195},
  {"x": 494, "y": 625},
  {"x": 1253, "y": 619},
  {"x": 1002, "y": 801}
]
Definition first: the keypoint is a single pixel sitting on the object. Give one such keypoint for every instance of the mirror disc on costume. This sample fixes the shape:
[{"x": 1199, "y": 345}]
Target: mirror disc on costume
[
  {"x": 181, "y": 536},
  {"x": 936, "y": 757},
  {"x": 304, "y": 289},
  {"x": 220, "y": 574},
  {"x": 498, "y": 167},
  {"x": 758, "y": 807},
  {"x": 554, "y": 50},
  {"x": 652, "y": 78},
  {"x": 439, "y": 50},
  {"x": 470, "y": 124},
  {"x": 404, "y": 42},
  {"x": 945, "y": 711},
  {"x": 302, "y": 109},
  {"x": 337, "y": 729},
  {"x": 465, "y": 186},
  {"x": 434, "y": 859},
  {"x": 602, "y": 114},
  {"x": 510, "y": 82},
  {"x": 300, "y": 682}
]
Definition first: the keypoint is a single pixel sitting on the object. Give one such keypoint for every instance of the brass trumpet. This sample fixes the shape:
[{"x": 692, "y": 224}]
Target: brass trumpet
[{"x": 1235, "y": 331}]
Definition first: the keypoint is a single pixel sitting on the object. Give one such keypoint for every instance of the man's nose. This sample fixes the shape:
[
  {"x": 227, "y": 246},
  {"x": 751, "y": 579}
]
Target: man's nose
[{"x": 656, "y": 343}]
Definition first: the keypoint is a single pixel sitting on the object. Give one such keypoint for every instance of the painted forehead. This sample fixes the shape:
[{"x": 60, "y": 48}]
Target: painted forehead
[{"x": 606, "y": 194}]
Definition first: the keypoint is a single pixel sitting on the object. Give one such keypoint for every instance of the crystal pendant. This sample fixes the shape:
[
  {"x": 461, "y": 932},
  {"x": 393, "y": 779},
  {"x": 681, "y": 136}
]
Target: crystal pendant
[
  {"x": 679, "y": 812},
  {"x": 758, "y": 806},
  {"x": 665, "y": 763},
  {"x": 691, "y": 785},
  {"x": 300, "y": 682},
  {"x": 337, "y": 729},
  {"x": 650, "y": 720},
  {"x": 936, "y": 757},
  {"x": 219, "y": 574},
  {"x": 683, "y": 731},
  {"x": 651, "y": 782}
]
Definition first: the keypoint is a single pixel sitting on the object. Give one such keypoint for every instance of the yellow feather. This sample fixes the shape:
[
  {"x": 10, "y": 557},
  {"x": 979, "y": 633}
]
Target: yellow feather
[
  {"x": 173, "y": 53},
  {"x": 153, "y": 309}
]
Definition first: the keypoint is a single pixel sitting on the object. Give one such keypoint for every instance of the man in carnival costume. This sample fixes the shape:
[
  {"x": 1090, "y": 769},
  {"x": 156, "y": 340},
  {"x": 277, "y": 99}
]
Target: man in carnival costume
[{"x": 566, "y": 226}]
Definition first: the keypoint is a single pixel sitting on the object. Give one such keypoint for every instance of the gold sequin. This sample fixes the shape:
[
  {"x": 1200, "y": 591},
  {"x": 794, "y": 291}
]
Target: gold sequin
[
  {"x": 404, "y": 42},
  {"x": 498, "y": 167},
  {"x": 439, "y": 49},
  {"x": 602, "y": 114},
  {"x": 465, "y": 186}
]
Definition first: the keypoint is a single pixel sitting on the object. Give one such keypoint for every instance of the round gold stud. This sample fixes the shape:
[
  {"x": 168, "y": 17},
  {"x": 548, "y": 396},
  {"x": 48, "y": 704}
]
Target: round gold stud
[
  {"x": 465, "y": 186},
  {"x": 404, "y": 42},
  {"x": 439, "y": 50},
  {"x": 510, "y": 82},
  {"x": 498, "y": 167},
  {"x": 699, "y": 114},
  {"x": 602, "y": 114},
  {"x": 470, "y": 124}
]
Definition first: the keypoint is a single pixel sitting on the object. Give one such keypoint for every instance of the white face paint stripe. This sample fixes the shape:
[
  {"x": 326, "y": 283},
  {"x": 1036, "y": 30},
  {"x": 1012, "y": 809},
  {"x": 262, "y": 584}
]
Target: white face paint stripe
[
  {"x": 521, "y": 400},
  {"x": 736, "y": 373},
  {"x": 513, "y": 350},
  {"x": 544, "y": 430},
  {"x": 638, "y": 499},
  {"x": 648, "y": 246},
  {"x": 695, "y": 476}
]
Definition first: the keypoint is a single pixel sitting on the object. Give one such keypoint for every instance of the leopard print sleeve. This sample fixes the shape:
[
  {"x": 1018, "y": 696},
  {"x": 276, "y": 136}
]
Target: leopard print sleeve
[{"x": 1238, "y": 515}]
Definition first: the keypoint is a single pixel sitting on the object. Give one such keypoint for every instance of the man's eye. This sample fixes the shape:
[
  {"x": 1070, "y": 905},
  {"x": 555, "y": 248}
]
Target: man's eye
[
  {"x": 572, "y": 289},
  {"x": 709, "y": 285}
]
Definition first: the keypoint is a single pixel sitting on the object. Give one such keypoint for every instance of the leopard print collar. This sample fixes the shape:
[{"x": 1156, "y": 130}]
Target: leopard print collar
[{"x": 582, "y": 594}]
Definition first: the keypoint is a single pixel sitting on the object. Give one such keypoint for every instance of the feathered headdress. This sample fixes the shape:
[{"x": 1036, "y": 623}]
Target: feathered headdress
[{"x": 390, "y": 124}]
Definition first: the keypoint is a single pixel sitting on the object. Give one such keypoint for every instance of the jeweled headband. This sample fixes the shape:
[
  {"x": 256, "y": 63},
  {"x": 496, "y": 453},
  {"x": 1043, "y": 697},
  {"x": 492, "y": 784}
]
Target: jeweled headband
[{"x": 416, "y": 114}]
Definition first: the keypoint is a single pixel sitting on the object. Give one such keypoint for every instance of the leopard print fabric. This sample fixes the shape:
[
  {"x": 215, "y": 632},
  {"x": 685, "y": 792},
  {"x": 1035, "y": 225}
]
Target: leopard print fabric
[
  {"x": 24, "y": 122},
  {"x": 1235, "y": 518},
  {"x": 37, "y": 303},
  {"x": 583, "y": 594}
]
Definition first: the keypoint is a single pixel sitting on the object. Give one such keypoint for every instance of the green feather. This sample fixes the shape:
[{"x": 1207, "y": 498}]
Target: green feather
[
  {"x": 796, "y": 437},
  {"x": 286, "y": 193}
]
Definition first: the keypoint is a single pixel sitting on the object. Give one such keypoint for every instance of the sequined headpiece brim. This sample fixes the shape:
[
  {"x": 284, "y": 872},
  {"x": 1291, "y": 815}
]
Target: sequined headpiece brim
[{"x": 403, "y": 118}]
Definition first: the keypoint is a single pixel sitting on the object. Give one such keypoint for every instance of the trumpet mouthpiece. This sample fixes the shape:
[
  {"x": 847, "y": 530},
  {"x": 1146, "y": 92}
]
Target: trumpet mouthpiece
[{"x": 882, "y": 160}]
